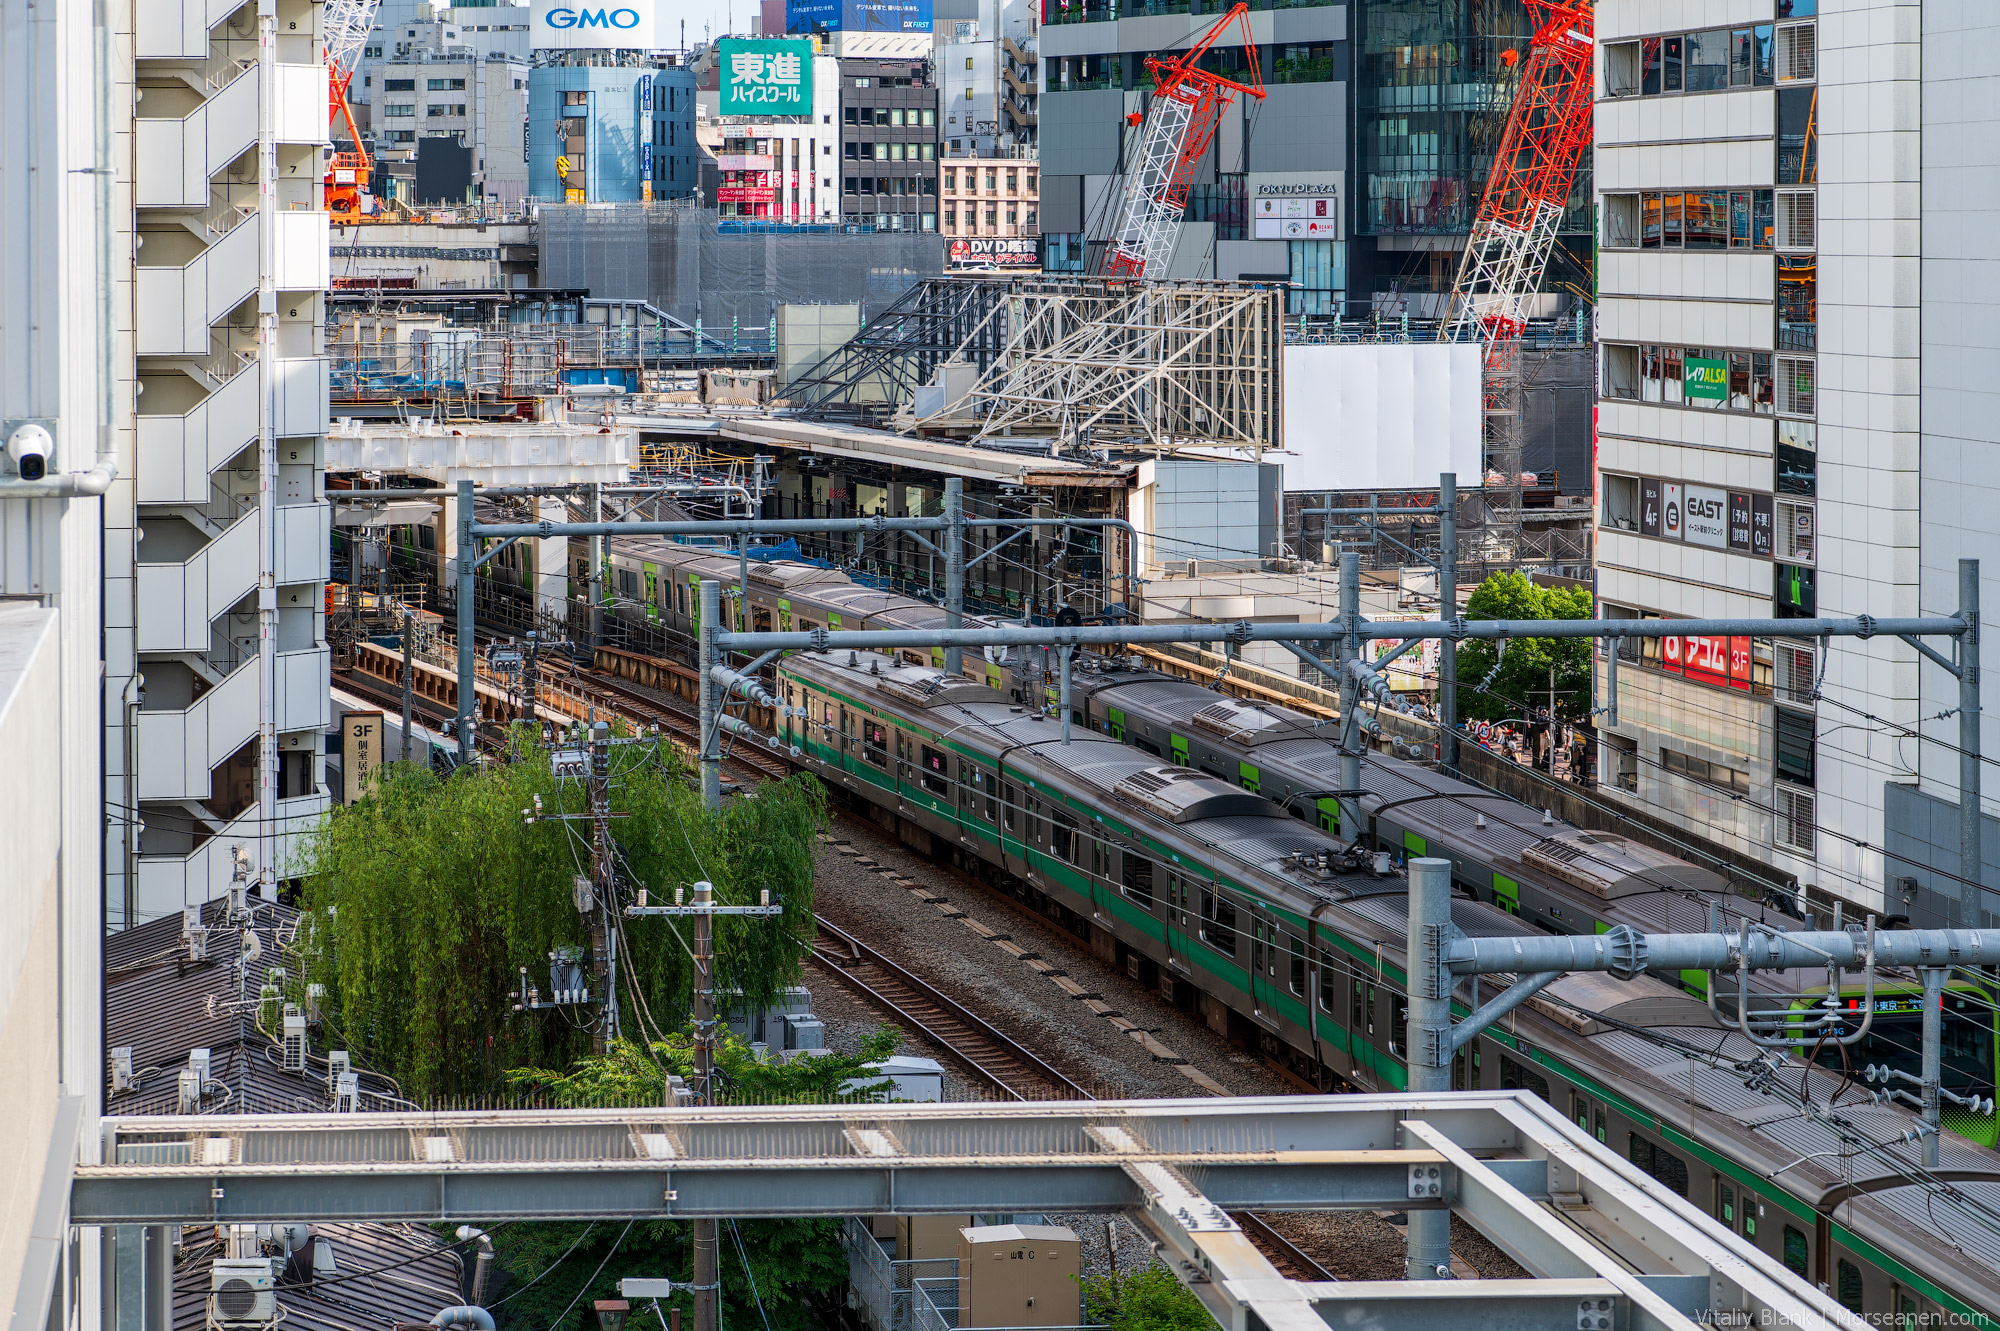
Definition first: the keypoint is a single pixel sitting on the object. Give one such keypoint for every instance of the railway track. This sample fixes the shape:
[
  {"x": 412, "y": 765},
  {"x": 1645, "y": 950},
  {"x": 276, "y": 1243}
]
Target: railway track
[
  {"x": 973, "y": 1042},
  {"x": 1287, "y": 1256}
]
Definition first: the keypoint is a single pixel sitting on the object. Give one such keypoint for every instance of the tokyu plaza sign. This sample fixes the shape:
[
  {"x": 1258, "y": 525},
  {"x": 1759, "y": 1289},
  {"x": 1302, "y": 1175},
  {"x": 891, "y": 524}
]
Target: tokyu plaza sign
[{"x": 766, "y": 76}]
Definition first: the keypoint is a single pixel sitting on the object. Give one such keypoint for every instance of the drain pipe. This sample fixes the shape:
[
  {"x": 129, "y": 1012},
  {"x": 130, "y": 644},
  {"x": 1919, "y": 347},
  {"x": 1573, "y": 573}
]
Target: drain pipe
[
  {"x": 480, "y": 1268},
  {"x": 465, "y": 1314}
]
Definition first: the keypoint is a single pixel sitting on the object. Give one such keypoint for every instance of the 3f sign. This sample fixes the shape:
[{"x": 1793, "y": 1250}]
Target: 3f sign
[{"x": 593, "y": 18}]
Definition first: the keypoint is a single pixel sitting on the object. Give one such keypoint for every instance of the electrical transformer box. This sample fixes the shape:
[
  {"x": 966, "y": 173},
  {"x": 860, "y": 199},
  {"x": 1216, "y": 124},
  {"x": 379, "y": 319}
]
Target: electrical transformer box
[{"x": 1019, "y": 1275}]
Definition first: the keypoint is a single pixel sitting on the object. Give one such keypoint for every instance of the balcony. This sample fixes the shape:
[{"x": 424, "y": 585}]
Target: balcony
[
  {"x": 177, "y": 602},
  {"x": 179, "y": 295},
  {"x": 178, "y": 452},
  {"x": 174, "y": 159},
  {"x": 179, "y": 749},
  {"x": 178, "y": 29},
  {"x": 169, "y": 882}
]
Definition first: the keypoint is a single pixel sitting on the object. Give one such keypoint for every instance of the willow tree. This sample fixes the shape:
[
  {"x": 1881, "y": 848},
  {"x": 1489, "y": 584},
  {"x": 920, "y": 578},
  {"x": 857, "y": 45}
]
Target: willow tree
[{"x": 426, "y": 898}]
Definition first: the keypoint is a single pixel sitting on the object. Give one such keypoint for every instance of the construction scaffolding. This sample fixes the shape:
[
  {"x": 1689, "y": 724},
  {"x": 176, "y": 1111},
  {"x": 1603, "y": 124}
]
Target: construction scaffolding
[
  {"x": 1064, "y": 363},
  {"x": 678, "y": 259}
]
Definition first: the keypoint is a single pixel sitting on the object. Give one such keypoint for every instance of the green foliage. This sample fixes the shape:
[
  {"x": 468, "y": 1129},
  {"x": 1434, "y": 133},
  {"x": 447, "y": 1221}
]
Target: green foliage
[
  {"x": 790, "y": 1260},
  {"x": 631, "y": 1074},
  {"x": 1523, "y": 678},
  {"x": 1148, "y": 1300},
  {"x": 426, "y": 898}
]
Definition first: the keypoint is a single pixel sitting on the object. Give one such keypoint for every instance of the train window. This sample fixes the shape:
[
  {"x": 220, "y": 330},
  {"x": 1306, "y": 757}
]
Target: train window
[
  {"x": 1658, "y": 1161},
  {"x": 986, "y": 788},
  {"x": 1361, "y": 1008},
  {"x": 875, "y": 743},
  {"x": 1298, "y": 965},
  {"x": 1847, "y": 1285},
  {"x": 1100, "y": 857},
  {"x": 935, "y": 780},
  {"x": 1062, "y": 839},
  {"x": 1465, "y": 1070},
  {"x": 1257, "y": 962},
  {"x": 1520, "y": 1077},
  {"x": 1138, "y": 878},
  {"x": 1589, "y": 1115},
  {"x": 1147, "y": 746},
  {"x": 1725, "y": 1204},
  {"x": 1329, "y": 983},
  {"x": 1798, "y": 1253},
  {"x": 1218, "y": 921},
  {"x": 1010, "y": 808},
  {"x": 681, "y": 597},
  {"x": 1399, "y": 1031}
]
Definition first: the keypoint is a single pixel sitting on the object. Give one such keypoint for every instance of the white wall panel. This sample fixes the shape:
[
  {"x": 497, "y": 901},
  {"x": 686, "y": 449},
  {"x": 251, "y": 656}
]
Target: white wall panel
[{"x": 1383, "y": 416}]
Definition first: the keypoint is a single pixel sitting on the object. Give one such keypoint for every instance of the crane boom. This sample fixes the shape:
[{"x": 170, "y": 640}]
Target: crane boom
[
  {"x": 1547, "y": 132},
  {"x": 346, "y": 24},
  {"x": 1178, "y": 128}
]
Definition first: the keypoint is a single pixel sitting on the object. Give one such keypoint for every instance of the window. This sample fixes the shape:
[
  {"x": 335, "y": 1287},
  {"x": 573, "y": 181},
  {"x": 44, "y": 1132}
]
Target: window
[
  {"x": 1621, "y": 372},
  {"x": 1795, "y": 532},
  {"x": 400, "y": 109},
  {"x": 1361, "y": 1008},
  {"x": 1798, "y": 136},
  {"x": 930, "y": 118},
  {"x": 1008, "y": 803},
  {"x": 1661, "y": 1163},
  {"x": 1798, "y": 52},
  {"x": 444, "y": 85},
  {"x": 1795, "y": 745},
  {"x": 875, "y": 743},
  {"x": 1298, "y": 977},
  {"x": 1621, "y": 502},
  {"x": 576, "y": 99},
  {"x": 1798, "y": 301},
  {"x": 1621, "y": 69},
  {"x": 1847, "y": 1285},
  {"x": 1797, "y": 673},
  {"x": 1137, "y": 878},
  {"x": 1062, "y": 838},
  {"x": 1798, "y": 1253},
  {"x": 1218, "y": 917},
  {"x": 399, "y": 85},
  {"x": 934, "y": 769},
  {"x": 1708, "y": 61},
  {"x": 1589, "y": 1115},
  {"x": 1709, "y": 773},
  {"x": 1793, "y": 822},
  {"x": 850, "y": 115},
  {"x": 1519, "y": 1077},
  {"x": 950, "y": 180},
  {"x": 1795, "y": 395},
  {"x": 1329, "y": 983},
  {"x": 1621, "y": 221},
  {"x": 896, "y": 116}
]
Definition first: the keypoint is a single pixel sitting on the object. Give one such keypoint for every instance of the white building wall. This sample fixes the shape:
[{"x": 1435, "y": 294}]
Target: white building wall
[{"x": 187, "y": 549}]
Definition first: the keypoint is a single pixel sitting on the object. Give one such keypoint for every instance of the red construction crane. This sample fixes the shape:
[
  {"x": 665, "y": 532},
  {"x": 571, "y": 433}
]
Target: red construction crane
[
  {"x": 1547, "y": 133},
  {"x": 1546, "y": 136},
  {"x": 346, "y": 24},
  {"x": 1179, "y": 126}
]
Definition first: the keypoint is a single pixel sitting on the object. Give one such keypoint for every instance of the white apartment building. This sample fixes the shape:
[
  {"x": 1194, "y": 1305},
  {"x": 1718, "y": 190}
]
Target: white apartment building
[
  {"x": 216, "y": 552},
  {"x": 1796, "y": 329},
  {"x": 987, "y": 78}
]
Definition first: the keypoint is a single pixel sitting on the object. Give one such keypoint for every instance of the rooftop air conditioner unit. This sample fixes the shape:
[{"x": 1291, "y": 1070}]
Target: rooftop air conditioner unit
[
  {"x": 337, "y": 1062},
  {"x": 122, "y": 1076},
  {"x": 192, "y": 1082},
  {"x": 194, "y": 934},
  {"x": 295, "y": 1038},
  {"x": 240, "y": 1292},
  {"x": 347, "y": 1093}
]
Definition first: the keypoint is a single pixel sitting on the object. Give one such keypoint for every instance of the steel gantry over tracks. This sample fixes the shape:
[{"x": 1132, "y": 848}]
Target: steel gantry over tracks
[{"x": 1606, "y": 1247}]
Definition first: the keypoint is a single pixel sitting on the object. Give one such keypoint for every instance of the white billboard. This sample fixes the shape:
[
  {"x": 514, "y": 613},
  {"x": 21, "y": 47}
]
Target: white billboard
[
  {"x": 1381, "y": 416},
  {"x": 574, "y": 25}
]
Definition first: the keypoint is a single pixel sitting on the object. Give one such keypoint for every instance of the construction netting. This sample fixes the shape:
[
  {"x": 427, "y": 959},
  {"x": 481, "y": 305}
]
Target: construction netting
[{"x": 680, "y": 261}]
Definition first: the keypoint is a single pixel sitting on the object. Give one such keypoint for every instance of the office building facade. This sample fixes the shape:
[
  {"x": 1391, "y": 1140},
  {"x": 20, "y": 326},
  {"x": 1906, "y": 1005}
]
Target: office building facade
[
  {"x": 1763, "y": 451},
  {"x": 476, "y": 107},
  {"x": 990, "y": 196},
  {"x": 675, "y": 153},
  {"x": 889, "y": 144},
  {"x": 590, "y": 128}
]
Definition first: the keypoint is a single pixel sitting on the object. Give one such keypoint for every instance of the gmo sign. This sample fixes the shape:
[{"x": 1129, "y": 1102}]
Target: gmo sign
[{"x": 594, "y": 24}]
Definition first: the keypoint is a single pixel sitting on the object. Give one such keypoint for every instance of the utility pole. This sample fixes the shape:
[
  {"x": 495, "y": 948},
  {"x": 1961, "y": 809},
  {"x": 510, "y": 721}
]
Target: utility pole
[
  {"x": 603, "y": 883},
  {"x": 1971, "y": 903},
  {"x": 1448, "y": 609},
  {"x": 1427, "y": 1233},
  {"x": 532, "y": 668},
  {"x": 1350, "y": 696},
  {"x": 954, "y": 570},
  {"x": 595, "y": 584},
  {"x": 409, "y": 676},
  {"x": 467, "y": 567}
]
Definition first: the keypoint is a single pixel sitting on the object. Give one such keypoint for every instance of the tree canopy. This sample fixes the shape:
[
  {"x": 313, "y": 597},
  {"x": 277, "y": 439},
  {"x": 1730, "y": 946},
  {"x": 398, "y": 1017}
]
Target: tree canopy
[
  {"x": 426, "y": 898},
  {"x": 1147, "y": 1300},
  {"x": 1522, "y": 681}
]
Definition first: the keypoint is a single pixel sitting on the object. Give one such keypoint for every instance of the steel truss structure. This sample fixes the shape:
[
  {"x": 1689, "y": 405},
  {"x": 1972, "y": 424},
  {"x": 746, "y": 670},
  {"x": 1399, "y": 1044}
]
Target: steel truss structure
[
  {"x": 1590, "y": 1229},
  {"x": 1165, "y": 365},
  {"x": 939, "y": 319}
]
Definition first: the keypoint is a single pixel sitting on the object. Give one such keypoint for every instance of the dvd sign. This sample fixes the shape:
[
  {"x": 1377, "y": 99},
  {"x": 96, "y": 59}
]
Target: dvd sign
[{"x": 1012, "y": 252}]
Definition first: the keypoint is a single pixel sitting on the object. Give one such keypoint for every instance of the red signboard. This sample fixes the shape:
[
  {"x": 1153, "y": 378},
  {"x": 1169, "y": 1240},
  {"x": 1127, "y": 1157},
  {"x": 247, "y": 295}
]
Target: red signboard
[
  {"x": 1723, "y": 662},
  {"x": 744, "y": 194}
]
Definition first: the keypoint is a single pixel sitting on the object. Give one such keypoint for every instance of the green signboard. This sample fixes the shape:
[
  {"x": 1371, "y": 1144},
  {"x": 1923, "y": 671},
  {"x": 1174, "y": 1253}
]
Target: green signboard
[
  {"x": 1707, "y": 379},
  {"x": 766, "y": 76}
]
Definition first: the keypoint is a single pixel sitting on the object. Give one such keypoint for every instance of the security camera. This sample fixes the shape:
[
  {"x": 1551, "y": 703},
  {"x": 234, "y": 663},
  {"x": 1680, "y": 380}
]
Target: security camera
[{"x": 30, "y": 445}]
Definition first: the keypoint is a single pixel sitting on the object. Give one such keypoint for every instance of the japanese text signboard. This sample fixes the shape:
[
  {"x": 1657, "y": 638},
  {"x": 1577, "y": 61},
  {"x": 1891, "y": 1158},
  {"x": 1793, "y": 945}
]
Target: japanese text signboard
[{"x": 764, "y": 76}]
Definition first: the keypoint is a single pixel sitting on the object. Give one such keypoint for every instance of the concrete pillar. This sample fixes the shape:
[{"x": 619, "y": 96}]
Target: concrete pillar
[
  {"x": 552, "y": 563},
  {"x": 446, "y": 527}
]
